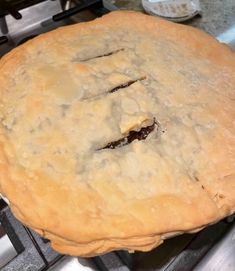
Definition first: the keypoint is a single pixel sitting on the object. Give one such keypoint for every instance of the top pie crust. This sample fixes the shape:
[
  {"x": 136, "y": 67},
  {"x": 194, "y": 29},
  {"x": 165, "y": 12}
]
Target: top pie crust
[{"x": 68, "y": 93}]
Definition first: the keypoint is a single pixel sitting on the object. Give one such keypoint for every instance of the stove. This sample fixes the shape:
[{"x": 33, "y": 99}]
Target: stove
[
  {"x": 21, "y": 249},
  {"x": 21, "y": 20}
]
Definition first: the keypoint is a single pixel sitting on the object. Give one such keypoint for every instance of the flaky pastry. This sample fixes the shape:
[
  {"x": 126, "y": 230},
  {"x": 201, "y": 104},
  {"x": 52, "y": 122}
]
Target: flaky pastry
[{"x": 118, "y": 133}]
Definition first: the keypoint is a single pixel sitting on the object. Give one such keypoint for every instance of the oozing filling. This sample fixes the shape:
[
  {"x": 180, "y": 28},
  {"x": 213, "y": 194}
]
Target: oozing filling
[{"x": 133, "y": 135}]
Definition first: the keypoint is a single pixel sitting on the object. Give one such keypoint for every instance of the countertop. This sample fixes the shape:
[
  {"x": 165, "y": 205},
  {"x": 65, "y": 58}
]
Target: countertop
[{"x": 217, "y": 17}]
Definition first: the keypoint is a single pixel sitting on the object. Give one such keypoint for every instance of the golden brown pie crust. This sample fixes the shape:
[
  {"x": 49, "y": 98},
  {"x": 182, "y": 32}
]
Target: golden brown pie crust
[{"x": 68, "y": 93}]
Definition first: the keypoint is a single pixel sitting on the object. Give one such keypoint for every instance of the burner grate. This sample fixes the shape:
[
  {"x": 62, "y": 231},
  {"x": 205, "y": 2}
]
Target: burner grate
[
  {"x": 39, "y": 17},
  {"x": 27, "y": 254},
  {"x": 14, "y": 6}
]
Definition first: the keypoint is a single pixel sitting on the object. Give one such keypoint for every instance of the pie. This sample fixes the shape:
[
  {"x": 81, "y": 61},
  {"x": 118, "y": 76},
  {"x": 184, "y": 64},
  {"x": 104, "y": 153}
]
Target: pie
[{"x": 118, "y": 133}]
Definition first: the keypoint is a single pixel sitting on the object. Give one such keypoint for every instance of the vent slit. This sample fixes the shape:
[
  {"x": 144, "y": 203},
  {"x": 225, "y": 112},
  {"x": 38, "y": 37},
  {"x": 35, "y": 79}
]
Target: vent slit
[
  {"x": 127, "y": 84},
  {"x": 122, "y": 86},
  {"x": 142, "y": 134},
  {"x": 104, "y": 55}
]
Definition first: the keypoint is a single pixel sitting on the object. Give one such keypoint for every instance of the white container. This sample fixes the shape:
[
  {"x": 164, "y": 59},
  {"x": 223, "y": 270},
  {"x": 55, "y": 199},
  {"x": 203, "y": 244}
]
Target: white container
[{"x": 174, "y": 10}]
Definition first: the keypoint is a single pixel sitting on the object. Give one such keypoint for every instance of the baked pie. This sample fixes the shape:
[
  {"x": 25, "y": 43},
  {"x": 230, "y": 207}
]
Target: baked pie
[{"x": 118, "y": 133}]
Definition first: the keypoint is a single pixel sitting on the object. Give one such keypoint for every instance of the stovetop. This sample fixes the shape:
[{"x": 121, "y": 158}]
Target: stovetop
[
  {"x": 21, "y": 249},
  {"x": 20, "y": 24}
]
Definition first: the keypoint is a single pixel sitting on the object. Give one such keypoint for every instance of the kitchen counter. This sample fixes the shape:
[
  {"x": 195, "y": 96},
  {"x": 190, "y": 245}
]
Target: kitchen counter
[{"x": 217, "y": 17}]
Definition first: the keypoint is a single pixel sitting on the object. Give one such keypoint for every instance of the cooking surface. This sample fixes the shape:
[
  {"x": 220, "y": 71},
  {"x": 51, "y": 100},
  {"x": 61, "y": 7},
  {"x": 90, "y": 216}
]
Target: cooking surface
[
  {"x": 221, "y": 256},
  {"x": 211, "y": 249},
  {"x": 8, "y": 251}
]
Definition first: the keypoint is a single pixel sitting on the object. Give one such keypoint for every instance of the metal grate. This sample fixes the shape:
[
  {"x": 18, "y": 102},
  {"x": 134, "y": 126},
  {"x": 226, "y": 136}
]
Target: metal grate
[
  {"x": 14, "y": 6},
  {"x": 37, "y": 17}
]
